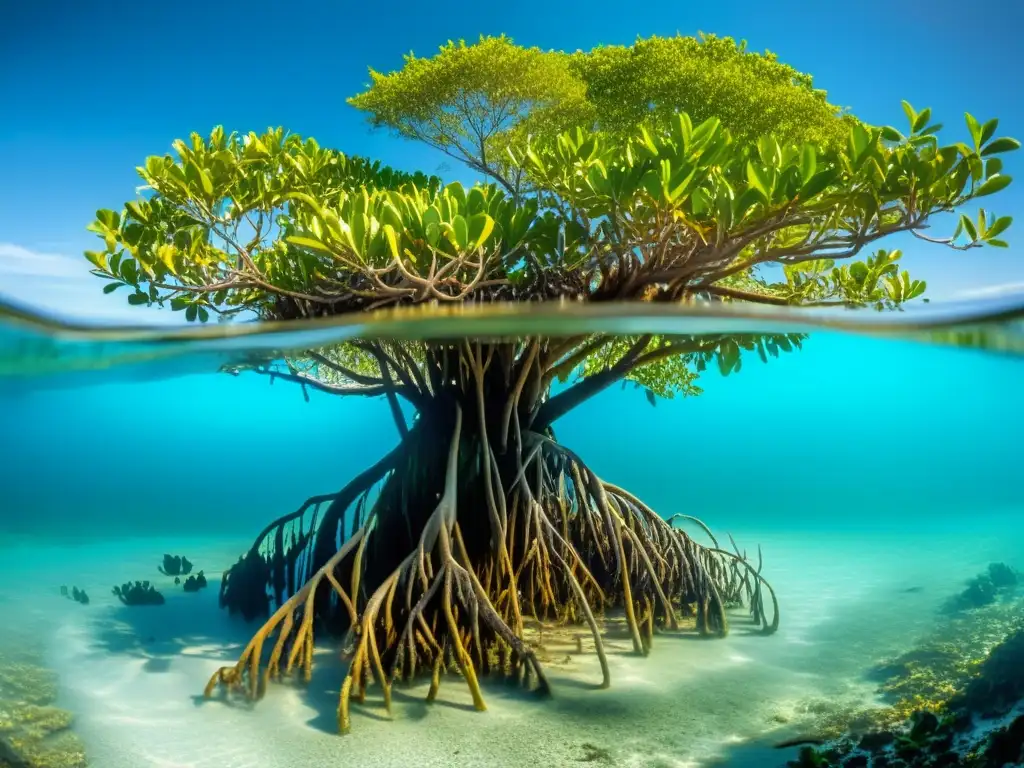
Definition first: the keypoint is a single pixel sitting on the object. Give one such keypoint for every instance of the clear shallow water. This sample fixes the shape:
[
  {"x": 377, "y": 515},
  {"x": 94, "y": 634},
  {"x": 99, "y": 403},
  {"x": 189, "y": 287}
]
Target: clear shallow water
[{"x": 878, "y": 474}]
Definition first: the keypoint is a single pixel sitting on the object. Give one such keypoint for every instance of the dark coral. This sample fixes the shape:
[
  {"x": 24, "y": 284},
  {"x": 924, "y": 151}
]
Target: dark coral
[
  {"x": 195, "y": 583},
  {"x": 1000, "y": 682},
  {"x": 984, "y": 589},
  {"x": 139, "y": 593},
  {"x": 175, "y": 565},
  {"x": 76, "y": 594},
  {"x": 1002, "y": 575}
]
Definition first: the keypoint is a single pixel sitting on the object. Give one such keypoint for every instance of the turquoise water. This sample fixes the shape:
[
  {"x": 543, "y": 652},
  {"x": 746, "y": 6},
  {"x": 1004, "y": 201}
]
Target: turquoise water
[{"x": 878, "y": 474}]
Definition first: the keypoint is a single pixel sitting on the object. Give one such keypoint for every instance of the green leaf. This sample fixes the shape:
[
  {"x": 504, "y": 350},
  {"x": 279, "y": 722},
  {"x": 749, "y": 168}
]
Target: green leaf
[
  {"x": 136, "y": 211},
  {"x": 109, "y": 219},
  {"x": 975, "y": 129},
  {"x": 724, "y": 203},
  {"x": 993, "y": 184},
  {"x": 154, "y": 167},
  {"x": 203, "y": 315},
  {"x": 969, "y": 227},
  {"x": 128, "y": 271},
  {"x": 859, "y": 139},
  {"x": 481, "y": 226},
  {"x": 1004, "y": 144},
  {"x": 891, "y": 134},
  {"x": 759, "y": 180},
  {"x": 728, "y": 356},
  {"x": 808, "y": 163},
  {"x": 98, "y": 259},
  {"x": 307, "y": 242},
  {"x": 988, "y": 130},
  {"x": 999, "y": 243},
  {"x": 922, "y": 119},
  {"x": 461, "y": 229},
  {"x": 818, "y": 183},
  {"x": 111, "y": 287},
  {"x": 911, "y": 114},
  {"x": 138, "y": 298},
  {"x": 999, "y": 226},
  {"x": 191, "y": 312},
  {"x": 767, "y": 149},
  {"x": 206, "y": 181},
  {"x": 391, "y": 237},
  {"x": 165, "y": 253}
]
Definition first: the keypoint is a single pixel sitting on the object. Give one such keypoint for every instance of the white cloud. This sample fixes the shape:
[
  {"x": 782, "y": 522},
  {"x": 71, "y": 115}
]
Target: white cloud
[
  {"x": 18, "y": 261},
  {"x": 991, "y": 291},
  {"x": 58, "y": 284}
]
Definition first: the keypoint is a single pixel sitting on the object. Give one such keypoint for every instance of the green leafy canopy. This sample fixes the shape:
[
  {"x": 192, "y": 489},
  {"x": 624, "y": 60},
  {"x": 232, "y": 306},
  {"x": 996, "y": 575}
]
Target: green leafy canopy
[
  {"x": 670, "y": 210},
  {"x": 243, "y": 222},
  {"x": 474, "y": 101}
]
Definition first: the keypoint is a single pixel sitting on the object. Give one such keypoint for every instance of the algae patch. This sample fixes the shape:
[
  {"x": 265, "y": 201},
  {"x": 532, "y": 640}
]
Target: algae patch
[
  {"x": 956, "y": 698},
  {"x": 33, "y": 732}
]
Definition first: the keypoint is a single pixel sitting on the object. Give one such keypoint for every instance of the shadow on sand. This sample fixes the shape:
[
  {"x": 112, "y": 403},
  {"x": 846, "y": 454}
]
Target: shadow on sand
[{"x": 187, "y": 624}]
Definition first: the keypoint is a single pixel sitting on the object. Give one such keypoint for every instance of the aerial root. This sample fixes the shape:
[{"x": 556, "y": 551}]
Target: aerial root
[
  {"x": 244, "y": 675},
  {"x": 565, "y": 548}
]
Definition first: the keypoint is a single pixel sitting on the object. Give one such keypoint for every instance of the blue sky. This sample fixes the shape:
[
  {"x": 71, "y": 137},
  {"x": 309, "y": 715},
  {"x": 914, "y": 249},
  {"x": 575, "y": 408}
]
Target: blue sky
[{"x": 90, "y": 89}]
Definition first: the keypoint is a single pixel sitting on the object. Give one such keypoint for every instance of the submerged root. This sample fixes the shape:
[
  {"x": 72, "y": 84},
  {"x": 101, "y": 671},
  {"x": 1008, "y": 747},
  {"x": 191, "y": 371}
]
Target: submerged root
[{"x": 539, "y": 537}]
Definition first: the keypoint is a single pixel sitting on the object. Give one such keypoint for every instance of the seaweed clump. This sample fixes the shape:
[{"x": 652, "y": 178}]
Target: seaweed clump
[
  {"x": 194, "y": 583},
  {"x": 76, "y": 594},
  {"x": 139, "y": 593},
  {"x": 175, "y": 565}
]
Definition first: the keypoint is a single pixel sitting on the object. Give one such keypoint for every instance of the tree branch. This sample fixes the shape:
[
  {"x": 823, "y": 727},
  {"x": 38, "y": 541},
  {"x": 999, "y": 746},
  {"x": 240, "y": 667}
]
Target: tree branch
[
  {"x": 310, "y": 381},
  {"x": 565, "y": 401},
  {"x": 733, "y": 293}
]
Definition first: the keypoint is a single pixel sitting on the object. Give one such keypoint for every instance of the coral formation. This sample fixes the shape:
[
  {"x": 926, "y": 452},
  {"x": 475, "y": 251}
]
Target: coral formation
[
  {"x": 139, "y": 593},
  {"x": 176, "y": 565},
  {"x": 194, "y": 583},
  {"x": 76, "y": 594}
]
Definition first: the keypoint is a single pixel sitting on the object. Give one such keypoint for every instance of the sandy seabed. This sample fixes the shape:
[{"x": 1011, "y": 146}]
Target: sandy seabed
[{"x": 134, "y": 676}]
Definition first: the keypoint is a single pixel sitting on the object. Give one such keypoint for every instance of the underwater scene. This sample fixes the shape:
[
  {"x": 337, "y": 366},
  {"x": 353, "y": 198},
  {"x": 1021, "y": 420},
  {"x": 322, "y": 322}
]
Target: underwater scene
[
  {"x": 494, "y": 387},
  {"x": 855, "y": 590}
]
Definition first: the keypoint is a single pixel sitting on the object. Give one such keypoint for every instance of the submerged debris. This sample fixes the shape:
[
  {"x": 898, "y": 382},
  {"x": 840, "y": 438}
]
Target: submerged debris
[
  {"x": 176, "y": 565},
  {"x": 139, "y": 593}
]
